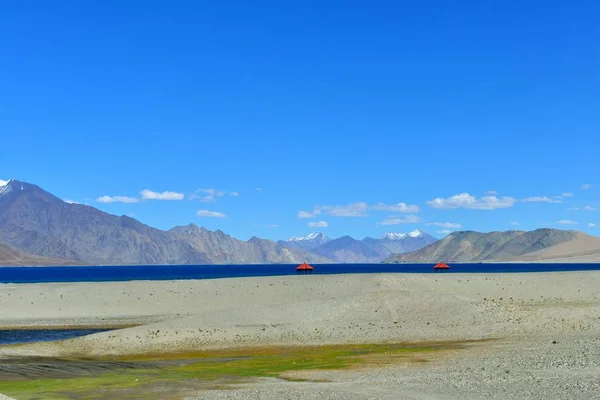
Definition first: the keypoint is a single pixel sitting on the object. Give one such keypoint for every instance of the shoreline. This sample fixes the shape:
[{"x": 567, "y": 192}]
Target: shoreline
[{"x": 530, "y": 324}]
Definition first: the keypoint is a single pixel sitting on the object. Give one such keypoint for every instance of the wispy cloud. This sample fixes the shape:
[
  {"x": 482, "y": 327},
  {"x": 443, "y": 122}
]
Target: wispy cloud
[
  {"x": 350, "y": 210},
  {"x": 234, "y": 194},
  {"x": 491, "y": 193},
  {"x": 117, "y": 199},
  {"x": 319, "y": 224},
  {"x": 541, "y": 199},
  {"x": 207, "y": 195},
  {"x": 568, "y": 194},
  {"x": 399, "y": 207},
  {"x": 167, "y": 195},
  {"x": 358, "y": 209},
  {"x": 210, "y": 214},
  {"x": 454, "y": 225},
  {"x": 69, "y": 201},
  {"x": 465, "y": 200},
  {"x": 444, "y": 231},
  {"x": 586, "y": 208},
  {"x": 591, "y": 224},
  {"x": 409, "y": 219},
  {"x": 515, "y": 223},
  {"x": 566, "y": 222},
  {"x": 273, "y": 226},
  {"x": 586, "y": 186},
  {"x": 259, "y": 189},
  {"x": 305, "y": 214}
]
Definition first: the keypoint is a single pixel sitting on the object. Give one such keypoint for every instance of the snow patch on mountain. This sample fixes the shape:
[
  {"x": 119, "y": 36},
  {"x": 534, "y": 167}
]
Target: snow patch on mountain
[
  {"x": 400, "y": 236},
  {"x": 316, "y": 236},
  {"x": 393, "y": 236},
  {"x": 416, "y": 233}
]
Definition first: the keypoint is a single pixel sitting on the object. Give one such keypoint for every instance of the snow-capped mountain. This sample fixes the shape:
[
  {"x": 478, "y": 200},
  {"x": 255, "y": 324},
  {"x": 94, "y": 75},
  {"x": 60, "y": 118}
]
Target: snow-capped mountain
[
  {"x": 393, "y": 236},
  {"x": 307, "y": 242},
  {"x": 7, "y": 186},
  {"x": 399, "y": 236},
  {"x": 318, "y": 236}
]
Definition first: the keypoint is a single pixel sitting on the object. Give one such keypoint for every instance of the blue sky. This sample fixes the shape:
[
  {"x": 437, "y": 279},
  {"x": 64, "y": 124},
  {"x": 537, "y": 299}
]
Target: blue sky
[{"x": 337, "y": 109}]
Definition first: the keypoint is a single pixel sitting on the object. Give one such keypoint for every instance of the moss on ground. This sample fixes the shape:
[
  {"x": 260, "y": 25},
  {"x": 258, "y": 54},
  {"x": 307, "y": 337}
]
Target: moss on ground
[{"x": 172, "y": 375}]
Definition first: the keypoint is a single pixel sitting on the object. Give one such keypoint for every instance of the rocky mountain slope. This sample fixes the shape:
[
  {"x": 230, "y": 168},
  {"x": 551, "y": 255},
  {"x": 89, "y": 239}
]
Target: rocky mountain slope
[
  {"x": 468, "y": 246},
  {"x": 10, "y": 257},
  {"x": 349, "y": 250},
  {"x": 36, "y": 222}
]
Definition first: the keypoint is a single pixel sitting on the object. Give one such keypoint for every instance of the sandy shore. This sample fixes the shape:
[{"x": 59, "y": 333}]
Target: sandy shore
[{"x": 530, "y": 315}]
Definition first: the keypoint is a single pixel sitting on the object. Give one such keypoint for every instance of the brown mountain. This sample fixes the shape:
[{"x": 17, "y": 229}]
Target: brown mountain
[
  {"x": 469, "y": 246},
  {"x": 10, "y": 257},
  {"x": 36, "y": 222}
]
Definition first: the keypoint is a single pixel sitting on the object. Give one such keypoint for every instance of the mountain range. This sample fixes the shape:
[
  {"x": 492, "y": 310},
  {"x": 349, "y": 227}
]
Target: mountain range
[
  {"x": 39, "y": 228},
  {"x": 540, "y": 245},
  {"x": 347, "y": 249}
]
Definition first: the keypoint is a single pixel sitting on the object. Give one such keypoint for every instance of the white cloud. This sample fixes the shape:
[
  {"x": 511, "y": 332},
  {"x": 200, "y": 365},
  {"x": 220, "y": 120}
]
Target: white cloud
[
  {"x": 515, "y": 223},
  {"x": 586, "y": 186},
  {"x": 568, "y": 194},
  {"x": 319, "y": 224},
  {"x": 234, "y": 194},
  {"x": 259, "y": 189},
  {"x": 540, "y": 199},
  {"x": 210, "y": 214},
  {"x": 167, "y": 195},
  {"x": 305, "y": 214},
  {"x": 465, "y": 200},
  {"x": 573, "y": 209},
  {"x": 591, "y": 224},
  {"x": 210, "y": 195},
  {"x": 444, "y": 231},
  {"x": 351, "y": 210},
  {"x": 116, "y": 199},
  {"x": 454, "y": 225},
  {"x": 589, "y": 208},
  {"x": 566, "y": 222},
  {"x": 399, "y": 207},
  {"x": 358, "y": 209},
  {"x": 68, "y": 201},
  {"x": 273, "y": 226},
  {"x": 409, "y": 219},
  {"x": 491, "y": 192},
  {"x": 211, "y": 192}
]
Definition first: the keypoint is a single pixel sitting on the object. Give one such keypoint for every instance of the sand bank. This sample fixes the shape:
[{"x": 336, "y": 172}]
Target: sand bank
[{"x": 327, "y": 309}]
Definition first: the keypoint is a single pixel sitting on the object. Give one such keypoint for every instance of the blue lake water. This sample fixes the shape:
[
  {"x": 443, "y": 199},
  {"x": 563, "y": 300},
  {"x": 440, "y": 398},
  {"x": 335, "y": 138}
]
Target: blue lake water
[
  {"x": 170, "y": 272},
  {"x": 42, "y": 335}
]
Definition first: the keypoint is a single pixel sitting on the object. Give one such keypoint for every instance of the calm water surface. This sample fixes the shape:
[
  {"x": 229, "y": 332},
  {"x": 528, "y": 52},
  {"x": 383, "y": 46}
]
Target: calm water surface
[
  {"x": 170, "y": 272},
  {"x": 42, "y": 335}
]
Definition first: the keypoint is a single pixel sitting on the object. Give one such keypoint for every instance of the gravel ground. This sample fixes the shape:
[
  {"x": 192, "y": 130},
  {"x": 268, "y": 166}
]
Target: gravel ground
[{"x": 542, "y": 368}]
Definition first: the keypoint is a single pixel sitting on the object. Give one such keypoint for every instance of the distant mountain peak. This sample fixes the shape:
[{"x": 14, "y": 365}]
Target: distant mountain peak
[
  {"x": 315, "y": 236},
  {"x": 416, "y": 233},
  {"x": 10, "y": 185},
  {"x": 393, "y": 236},
  {"x": 400, "y": 236}
]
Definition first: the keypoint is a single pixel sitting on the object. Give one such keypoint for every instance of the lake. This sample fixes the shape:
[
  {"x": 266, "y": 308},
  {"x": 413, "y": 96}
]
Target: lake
[
  {"x": 42, "y": 335},
  {"x": 172, "y": 272}
]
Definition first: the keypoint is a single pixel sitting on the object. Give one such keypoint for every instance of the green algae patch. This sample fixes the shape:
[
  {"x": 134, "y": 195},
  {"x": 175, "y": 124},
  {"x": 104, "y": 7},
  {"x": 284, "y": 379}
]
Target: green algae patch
[{"x": 176, "y": 375}]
